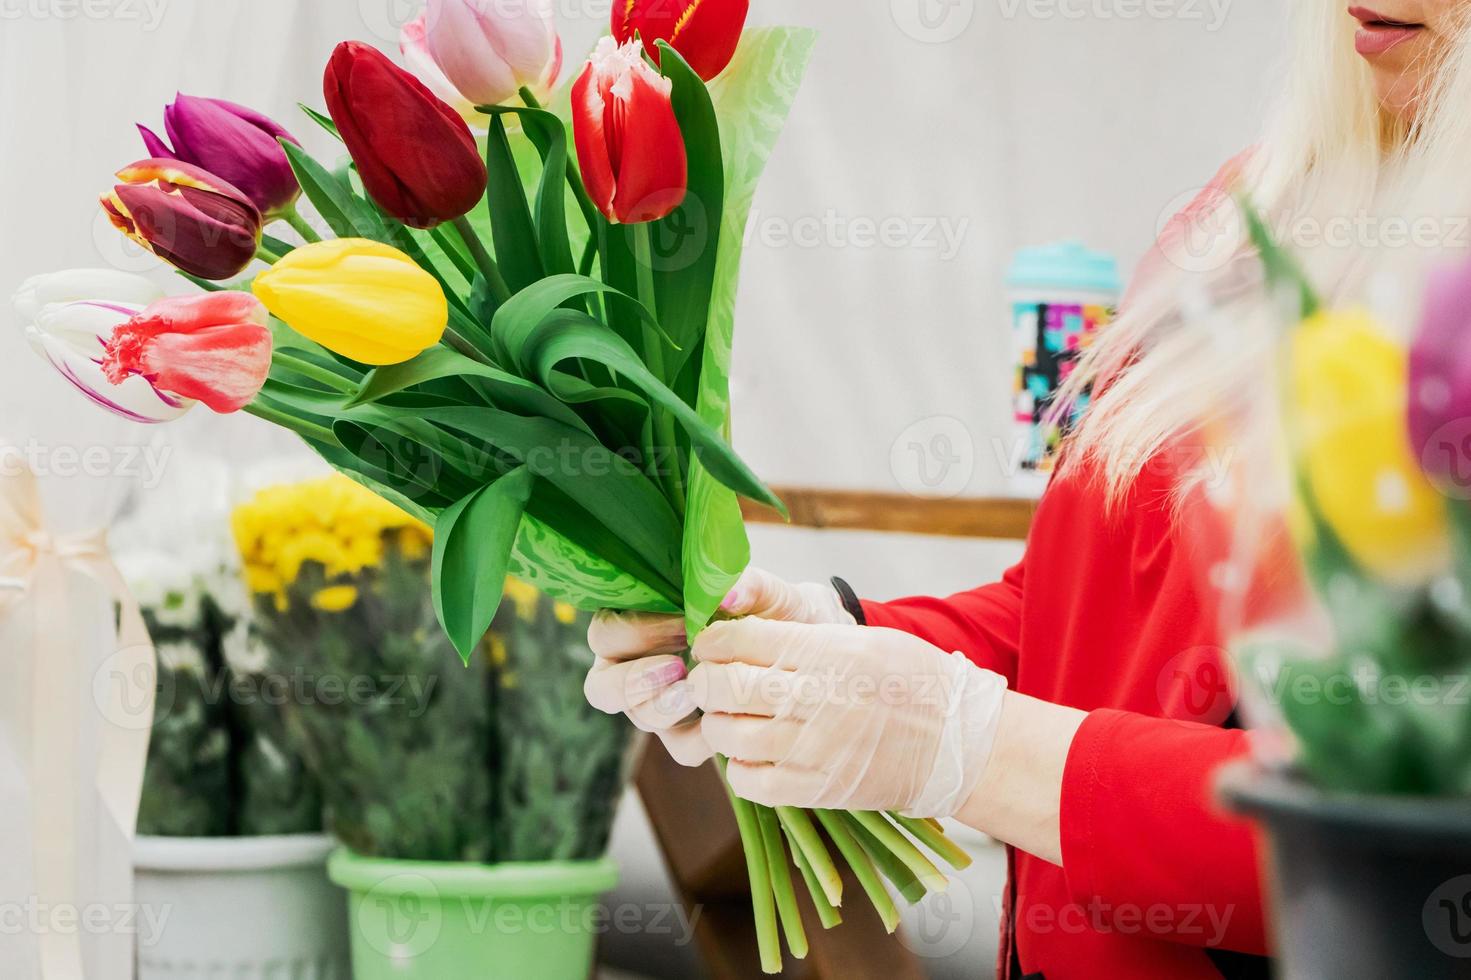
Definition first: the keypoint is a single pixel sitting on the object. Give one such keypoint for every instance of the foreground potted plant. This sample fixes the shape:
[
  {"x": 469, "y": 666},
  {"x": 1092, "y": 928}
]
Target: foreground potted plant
[
  {"x": 473, "y": 803},
  {"x": 1362, "y": 678},
  {"x": 230, "y": 857}
]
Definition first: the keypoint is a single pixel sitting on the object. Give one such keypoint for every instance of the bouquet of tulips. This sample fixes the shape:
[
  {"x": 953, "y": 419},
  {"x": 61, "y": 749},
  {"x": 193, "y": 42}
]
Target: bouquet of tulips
[
  {"x": 1366, "y": 664},
  {"x": 518, "y": 335}
]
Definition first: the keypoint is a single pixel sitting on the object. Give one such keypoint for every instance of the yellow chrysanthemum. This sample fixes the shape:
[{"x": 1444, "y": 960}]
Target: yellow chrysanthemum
[
  {"x": 335, "y": 598},
  {"x": 332, "y": 522}
]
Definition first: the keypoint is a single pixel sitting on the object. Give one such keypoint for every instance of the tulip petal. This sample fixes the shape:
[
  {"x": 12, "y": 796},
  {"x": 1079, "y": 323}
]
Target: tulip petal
[
  {"x": 135, "y": 399},
  {"x": 588, "y": 112},
  {"x": 362, "y": 299},
  {"x": 199, "y": 231},
  {"x": 72, "y": 285},
  {"x": 223, "y": 366},
  {"x": 706, "y": 33},
  {"x": 490, "y": 48},
  {"x": 414, "y": 153},
  {"x": 653, "y": 171},
  {"x": 236, "y": 144},
  {"x": 414, "y": 47}
]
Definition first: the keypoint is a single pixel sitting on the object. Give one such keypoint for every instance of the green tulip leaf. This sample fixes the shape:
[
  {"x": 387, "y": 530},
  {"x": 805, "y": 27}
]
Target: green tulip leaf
[
  {"x": 511, "y": 226},
  {"x": 686, "y": 242},
  {"x": 473, "y": 539},
  {"x": 345, "y": 213},
  {"x": 547, "y": 133},
  {"x": 525, "y": 311},
  {"x": 571, "y": 334},
  {"x": 321, "y": 119},
  {"x": 752, "y": 98},
  {"x": 598, "y": 480},
  {"x": 506, "y": 390}
]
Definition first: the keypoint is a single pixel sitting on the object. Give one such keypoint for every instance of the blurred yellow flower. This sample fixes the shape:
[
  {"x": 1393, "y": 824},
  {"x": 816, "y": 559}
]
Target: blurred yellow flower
[
  {"x": 336, "y": 598},
  {"x": 1346, "y": 400},
  {"x": 524, "y": 596},
  {"x": 565, "y": 612},
  {"x": 332, "y": 522}
]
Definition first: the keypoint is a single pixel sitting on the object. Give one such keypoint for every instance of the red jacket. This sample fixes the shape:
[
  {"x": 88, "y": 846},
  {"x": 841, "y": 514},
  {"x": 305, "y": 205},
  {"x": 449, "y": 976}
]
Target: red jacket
[{"x": 1109, "y": 612}]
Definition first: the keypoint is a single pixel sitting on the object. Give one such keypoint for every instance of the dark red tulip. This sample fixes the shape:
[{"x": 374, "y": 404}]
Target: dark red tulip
[
  {"x": 704, "y": 32},
  {"x": 629, "y": 144},
  {"x": 414, "y": 152},
  {"x": 187, "y": 216}
]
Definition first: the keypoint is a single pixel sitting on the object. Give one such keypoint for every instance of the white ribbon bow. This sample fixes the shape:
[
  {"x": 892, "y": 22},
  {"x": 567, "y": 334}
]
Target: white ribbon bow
[{"x": 34, "y": 566}]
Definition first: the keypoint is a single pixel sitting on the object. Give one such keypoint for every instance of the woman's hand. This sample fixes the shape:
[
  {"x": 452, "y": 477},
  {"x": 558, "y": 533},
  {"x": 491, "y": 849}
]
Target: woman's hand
[
  {"x": 844, "y": 717},
  {"x": 639, "y": 671}
]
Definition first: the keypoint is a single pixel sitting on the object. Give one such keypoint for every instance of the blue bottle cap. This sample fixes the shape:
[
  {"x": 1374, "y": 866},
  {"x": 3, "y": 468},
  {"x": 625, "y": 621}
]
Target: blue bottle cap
[{"x": 1065, "y": 265}]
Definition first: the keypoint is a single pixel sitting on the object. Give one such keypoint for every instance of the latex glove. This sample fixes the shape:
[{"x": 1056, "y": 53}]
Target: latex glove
[
  {"x": 844, "y": 717},
  {"x": 639, "y": 671}
]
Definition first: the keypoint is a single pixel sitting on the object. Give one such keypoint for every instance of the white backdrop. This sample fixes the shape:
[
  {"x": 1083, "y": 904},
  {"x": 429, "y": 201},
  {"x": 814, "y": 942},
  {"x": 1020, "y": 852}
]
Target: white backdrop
[{"x": 933, "y": 138}]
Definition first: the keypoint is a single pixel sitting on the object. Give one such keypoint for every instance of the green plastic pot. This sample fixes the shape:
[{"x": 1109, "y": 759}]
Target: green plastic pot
[{"x": 414, "y": 920}]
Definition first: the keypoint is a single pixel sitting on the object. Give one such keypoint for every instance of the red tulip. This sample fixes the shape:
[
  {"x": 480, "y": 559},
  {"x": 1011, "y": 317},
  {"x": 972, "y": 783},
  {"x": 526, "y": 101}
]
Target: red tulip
[
  {"x": 704, "y": 32},
  {"x": 214, "y": 348},
  {"x": 628, "y": 140},
  {"x": 414, "y": 153},
  {"x": 185, "y": 215}
]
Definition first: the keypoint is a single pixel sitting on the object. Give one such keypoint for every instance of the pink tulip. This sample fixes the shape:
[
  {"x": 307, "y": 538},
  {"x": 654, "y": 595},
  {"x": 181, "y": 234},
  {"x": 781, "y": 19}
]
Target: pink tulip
[
  {"x": 629, "y": 144},
  {"x": 489, "y": 49},
  {"x": 214, "y": 348},
  {"x": 413, "y": 44}
]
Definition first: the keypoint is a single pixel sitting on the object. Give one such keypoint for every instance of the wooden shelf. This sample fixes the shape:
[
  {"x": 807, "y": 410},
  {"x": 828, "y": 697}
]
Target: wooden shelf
[{"x": 855, "y": 510}]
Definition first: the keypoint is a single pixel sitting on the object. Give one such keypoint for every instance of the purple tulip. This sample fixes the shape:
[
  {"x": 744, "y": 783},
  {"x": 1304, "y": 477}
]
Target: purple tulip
[
  {"x": 237, "y": 144},
  {"x": 1440, "y": 378}
]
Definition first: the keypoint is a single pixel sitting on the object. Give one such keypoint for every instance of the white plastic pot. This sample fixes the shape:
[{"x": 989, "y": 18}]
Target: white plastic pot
[{"x": 246, "y": 908}]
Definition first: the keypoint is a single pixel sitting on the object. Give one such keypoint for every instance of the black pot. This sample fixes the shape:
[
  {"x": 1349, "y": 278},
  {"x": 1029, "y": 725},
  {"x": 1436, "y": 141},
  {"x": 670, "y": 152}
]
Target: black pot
[{"x": 1363, "y": 887}]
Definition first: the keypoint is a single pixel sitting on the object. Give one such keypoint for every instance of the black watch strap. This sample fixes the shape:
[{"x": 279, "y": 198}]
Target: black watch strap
[{"x": 850, "y": 600}]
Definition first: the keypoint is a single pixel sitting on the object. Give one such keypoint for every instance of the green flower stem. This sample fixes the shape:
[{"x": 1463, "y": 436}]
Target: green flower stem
[
  {"x": 935, "y": 839},
  {"x": 483, "y": 259},
  {"x": 807, "y": 843},
  {"x": 670, "y": 471},
  {"x": 266, "y": 255},
  {"x": 454, "y": 253},
  {"x": 903, "y": 879},
  {"x": 590, "y": 214},
  {"x": 316, "y": 372},
  {"x": 763, "y": 906},
  {"x": 781, "y": 882},
  {"x": 303, "y": 228},
  {"x": 903, "y": 848},
  {"x": 827, "y": 913},
  {"x": 301, "y": 427},
  {"x": 863, "y": 869}
]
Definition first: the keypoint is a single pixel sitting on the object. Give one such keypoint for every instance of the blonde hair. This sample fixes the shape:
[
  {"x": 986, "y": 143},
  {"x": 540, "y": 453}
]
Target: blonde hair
[{"x": 1364, "y": 199}]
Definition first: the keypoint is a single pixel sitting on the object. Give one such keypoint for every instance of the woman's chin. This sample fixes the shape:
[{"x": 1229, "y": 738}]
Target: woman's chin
[{"x": 1400, "y": 92}]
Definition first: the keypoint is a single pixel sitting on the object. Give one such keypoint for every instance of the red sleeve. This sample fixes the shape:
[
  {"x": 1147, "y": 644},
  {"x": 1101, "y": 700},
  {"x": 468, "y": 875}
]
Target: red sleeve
[
  {"x": 1141, "y": 832},
  {"x": 984, "y": 624}
]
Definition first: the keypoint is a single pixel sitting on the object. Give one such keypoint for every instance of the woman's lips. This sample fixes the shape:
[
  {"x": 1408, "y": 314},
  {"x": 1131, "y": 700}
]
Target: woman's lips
[{"x": 1379, "y": 33}]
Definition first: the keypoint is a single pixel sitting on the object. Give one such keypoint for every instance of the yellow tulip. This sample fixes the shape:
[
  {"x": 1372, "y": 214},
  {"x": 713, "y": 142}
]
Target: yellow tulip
[
  {"x": 1346, "y": 399},
  {"x": 361, "y": 299}
]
